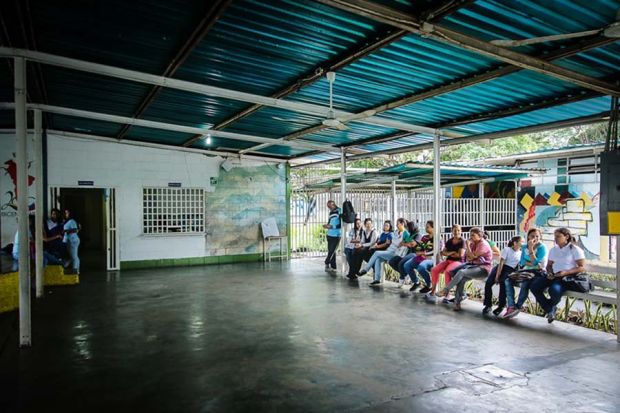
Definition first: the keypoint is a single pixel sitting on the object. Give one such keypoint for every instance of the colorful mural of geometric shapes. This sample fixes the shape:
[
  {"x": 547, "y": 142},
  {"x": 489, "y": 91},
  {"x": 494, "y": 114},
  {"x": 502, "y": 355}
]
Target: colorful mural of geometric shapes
[
  {"x": 468, "y": 191},
  {"x": 502, "y": 189},
  {"x": 573, "y": 215}
]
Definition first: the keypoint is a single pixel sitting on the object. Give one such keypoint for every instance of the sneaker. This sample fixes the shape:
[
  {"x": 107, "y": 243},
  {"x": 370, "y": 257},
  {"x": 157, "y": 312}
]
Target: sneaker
[
  {"x": 401, "y": 282},
  {"x": 375, "y": 282},
  {"x": 447, "y": 301},
  {"x": 414, "y": 287},
  {"x": 425, "y": 290},
  {"x": 511, "y": 312},
  {"x": 332, "y": 271},
  {"x": 486, "y": 310},
  {"x": 498, "y": 311},
  {"x": 551, "y": 314},
  {"x": 430, "y": 297},
  {"x": 352, "y": 276},
  {"x": 361, "y": 273}
]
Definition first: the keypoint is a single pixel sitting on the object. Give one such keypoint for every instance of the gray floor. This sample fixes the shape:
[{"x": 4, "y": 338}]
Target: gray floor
[{"x": 288, "y": 337}]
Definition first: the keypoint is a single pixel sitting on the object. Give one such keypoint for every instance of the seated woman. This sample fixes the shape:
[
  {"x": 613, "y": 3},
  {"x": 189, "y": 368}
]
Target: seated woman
[
  {"x": 534, "y": 259},
  {"x": 509, "y": 261},
  {"x": 479, "y": 259},
  {"x": 410, "y": 241},
  {"x": 423, "y": 260},
  {"x": 354, "y": 238},
  {"x": 360, "y": 250},
  {"x": 454, "y": 251},
  {"x": 379, "y": 257},
  {"x": 565, "y": 259},
  {"x": 53, "y": 234}
]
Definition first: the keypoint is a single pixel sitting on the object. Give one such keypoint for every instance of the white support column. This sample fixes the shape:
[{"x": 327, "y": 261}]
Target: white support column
[
  {"x": 437, "y": 194},
  {"x": 343, "y": 197},
  {"x": 482, "y": 211},
  {"x": 22, "y": 201},
  {"x": 38, "y": 181},
  {"x": 517, "y": 207},
  {"x": 394, "y": 212}
]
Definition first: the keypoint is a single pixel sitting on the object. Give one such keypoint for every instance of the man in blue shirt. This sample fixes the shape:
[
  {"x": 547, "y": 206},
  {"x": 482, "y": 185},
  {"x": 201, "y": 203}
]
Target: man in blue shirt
[{"x": 334, "y": 231}]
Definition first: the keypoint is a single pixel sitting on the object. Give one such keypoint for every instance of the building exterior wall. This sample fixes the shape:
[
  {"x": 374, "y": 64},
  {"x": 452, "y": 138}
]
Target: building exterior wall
[{"x": 236, "y": 201}]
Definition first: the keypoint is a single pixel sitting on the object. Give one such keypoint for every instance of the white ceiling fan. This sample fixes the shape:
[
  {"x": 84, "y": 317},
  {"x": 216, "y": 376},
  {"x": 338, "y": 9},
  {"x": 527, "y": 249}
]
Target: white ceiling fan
[
  {"x": 331, "y": 121},
  {"x": 611, "y": 31}
]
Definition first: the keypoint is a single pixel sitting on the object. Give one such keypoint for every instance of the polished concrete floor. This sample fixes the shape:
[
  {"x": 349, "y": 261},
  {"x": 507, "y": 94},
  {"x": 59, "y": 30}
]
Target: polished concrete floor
[{"x": 284, "y": 337}]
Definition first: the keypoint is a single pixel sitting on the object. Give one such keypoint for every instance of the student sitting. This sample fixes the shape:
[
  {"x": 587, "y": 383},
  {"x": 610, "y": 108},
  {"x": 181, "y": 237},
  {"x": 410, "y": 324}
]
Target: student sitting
[
  {"x": 534, "y": 259},
  {"x": 423, "y": 261},
  {"x": 360, "y": 250},
  {"x": 479, "y": 260},
  {"x": 411, "y": 241},
  {"x": 354, "y": 237},
  {"x": 509, "y": 261},
  {"x": 379, "y": 257},
  {"x": 565, "y": 259},
  {"x": 454, "y": 251},
  {"x": 492, "y": 244}
]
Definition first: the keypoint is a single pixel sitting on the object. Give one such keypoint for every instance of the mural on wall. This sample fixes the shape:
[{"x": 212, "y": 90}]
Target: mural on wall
[
  {"x": 243, "y": 198},
  {"x": 503, "y": 189},
  {"x": 574, "y": 206},
  {"x": 8, "y": 190}
]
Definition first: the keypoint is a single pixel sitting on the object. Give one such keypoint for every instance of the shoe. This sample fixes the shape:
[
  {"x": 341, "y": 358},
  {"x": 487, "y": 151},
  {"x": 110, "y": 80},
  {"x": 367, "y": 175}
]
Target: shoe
[
  {"x": 401, "y": 282},
  {"x": 425, "y": 290},
  {"x": 498, "y": 311},
  {"x": 352, "y": 276},
  {"x": 446, "y": 301},
  {"x": 430, "y": 297},
  {"x": 327, "y": 268},
  {"x": 486, "y": 310},
  {"x": 361, "y": 273},
  {"x": 551, "y": 314},
  {"x": 67, "y": 263},
  {"x": 511, "y": 312},
  {"x": 332, "y": 271},
  {"x": 375, "y": 282},
  {"x": 414, "y": 287}
]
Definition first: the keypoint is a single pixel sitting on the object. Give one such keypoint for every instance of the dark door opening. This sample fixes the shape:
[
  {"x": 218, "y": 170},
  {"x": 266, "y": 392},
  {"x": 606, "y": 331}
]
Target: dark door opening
[{"x": 87, "y": 208}]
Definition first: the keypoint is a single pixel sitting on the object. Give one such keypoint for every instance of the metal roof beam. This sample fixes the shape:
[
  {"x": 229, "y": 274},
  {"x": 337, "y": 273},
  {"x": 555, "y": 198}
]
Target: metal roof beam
[
  {"x": 442, "y": 34},
  {"x": 204, "y": 27},
  {"x": 201, "y": 89},
  {"x": 585, "y": 120},
  {"x": 163, "y": 126}
]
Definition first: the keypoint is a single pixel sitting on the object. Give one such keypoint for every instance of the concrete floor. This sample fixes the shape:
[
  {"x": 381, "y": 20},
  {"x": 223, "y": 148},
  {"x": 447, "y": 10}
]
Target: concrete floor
[{"x": 288, "y": 337}]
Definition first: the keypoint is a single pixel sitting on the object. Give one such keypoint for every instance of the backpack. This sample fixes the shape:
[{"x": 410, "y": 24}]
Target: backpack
[{"x": 348, "y": 213}]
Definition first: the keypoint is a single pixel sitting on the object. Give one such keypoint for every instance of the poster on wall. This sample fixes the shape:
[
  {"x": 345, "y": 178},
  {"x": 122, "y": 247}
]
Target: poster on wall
[{"x": 8, "y": 188}]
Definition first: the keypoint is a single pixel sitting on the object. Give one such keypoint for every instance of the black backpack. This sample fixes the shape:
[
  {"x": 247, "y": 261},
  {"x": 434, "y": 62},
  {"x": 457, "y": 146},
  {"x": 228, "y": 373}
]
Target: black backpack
[{"x": 348, "y": 213}]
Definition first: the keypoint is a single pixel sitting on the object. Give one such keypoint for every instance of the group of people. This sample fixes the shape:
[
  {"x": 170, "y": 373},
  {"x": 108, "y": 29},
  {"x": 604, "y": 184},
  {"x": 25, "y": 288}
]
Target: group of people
[
  {"x": 60, "y": 241},
  {"x": 411, "y": 253}
]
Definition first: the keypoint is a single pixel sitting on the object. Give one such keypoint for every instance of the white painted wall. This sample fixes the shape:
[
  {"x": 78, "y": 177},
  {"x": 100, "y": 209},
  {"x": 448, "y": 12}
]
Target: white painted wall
[{"x": 129, "y": 168}]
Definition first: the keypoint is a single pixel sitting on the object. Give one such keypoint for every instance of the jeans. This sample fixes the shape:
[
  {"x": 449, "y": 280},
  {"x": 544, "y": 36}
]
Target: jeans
[
  {"x": 523, "y": 292},
  {"x": 398, "y": 263},
  {"x": 378, "y": 258},
  {"x": 73, "y": 253},
  {"x": 488, "y": 286},
  {"x": 556, "y": 289},
  {"x": 348, "y": 252},
  {"x": 332, "y": 245},
  {"x": 424, "y": 269},
  {"x": 49, "y": 258},
  {"x": 462, "y": 276}
]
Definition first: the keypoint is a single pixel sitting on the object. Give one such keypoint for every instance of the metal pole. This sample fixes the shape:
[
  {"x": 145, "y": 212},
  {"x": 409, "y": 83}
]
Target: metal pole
[
  {"x": 343, "y": 195},
  {"x": 437, "y": 194},
  {"x": 394, "y": 212},
  {"x": 22, "y": 201},
  {"x": 39, "y": 205},
  {"x": 517, "y": 207},
  {"x": 482, "y": 211}
]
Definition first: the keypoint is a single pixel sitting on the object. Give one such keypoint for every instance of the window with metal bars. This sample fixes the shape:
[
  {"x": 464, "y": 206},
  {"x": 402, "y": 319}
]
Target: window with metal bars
[{"x": 173, "y": 210}]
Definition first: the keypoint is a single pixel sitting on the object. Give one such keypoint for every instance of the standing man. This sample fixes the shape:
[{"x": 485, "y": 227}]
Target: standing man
[{"x": 333, "y": 236}]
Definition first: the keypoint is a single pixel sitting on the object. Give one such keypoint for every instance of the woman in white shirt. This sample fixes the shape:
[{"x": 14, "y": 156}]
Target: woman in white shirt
[
  {"x": 354, "y": 238},
  {"x": 509, "y": 261},
  {"x": 565, "y": 259}
]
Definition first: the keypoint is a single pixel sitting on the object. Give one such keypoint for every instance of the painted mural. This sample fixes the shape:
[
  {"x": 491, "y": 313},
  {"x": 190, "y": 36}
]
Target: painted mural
[
  {"x": 502, "y": 189},
  {"x": 243, "y": 198},
  {"x": 574, "y": 206}
]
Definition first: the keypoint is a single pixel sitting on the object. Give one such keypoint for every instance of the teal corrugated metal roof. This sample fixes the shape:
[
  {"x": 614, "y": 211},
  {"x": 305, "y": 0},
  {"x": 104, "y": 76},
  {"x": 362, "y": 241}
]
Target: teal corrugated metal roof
[{"x": 262, "y": 46}]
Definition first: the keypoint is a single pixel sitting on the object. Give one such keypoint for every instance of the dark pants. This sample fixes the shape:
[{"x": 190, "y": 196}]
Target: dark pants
[
  {"x": 488, "y": 291},
  {"x": 332, "y": 246},
  {"x": 556, "y": 289},
  {"x": 398, "y": 263}
]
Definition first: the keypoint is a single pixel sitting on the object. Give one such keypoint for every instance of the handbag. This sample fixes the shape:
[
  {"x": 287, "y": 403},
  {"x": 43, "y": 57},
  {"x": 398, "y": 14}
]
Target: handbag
[
  {"x": 521, "y": 275},
  {"x": 579, "y": 282}
]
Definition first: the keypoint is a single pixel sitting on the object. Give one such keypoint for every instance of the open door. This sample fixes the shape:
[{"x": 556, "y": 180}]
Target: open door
[{"x": 112, "y": 262}]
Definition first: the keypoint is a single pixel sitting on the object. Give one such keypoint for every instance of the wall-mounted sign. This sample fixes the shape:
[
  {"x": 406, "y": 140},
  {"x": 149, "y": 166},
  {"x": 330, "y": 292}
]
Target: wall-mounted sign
[
  {"x": 86, "y": 183},
  {"x": 174, "y": 184}
]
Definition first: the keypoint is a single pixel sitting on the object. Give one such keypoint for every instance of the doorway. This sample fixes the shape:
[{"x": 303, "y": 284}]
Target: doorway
[{"x": 95, "y": 211}]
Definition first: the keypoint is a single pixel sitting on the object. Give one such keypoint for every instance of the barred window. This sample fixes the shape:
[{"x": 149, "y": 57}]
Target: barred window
[{"x": 173, "y": 210}]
